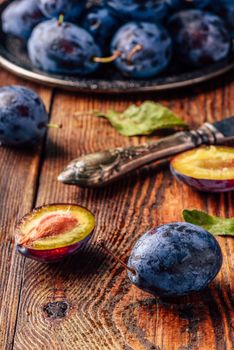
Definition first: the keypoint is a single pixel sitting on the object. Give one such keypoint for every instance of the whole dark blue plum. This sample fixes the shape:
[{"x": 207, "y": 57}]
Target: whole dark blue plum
[
  {"x": 23, "y": 117},
  {"x": 148, "y": 10},
  {"x": 144, "y": 49},
  {"x": 64, "y": 48},
  {"x": 175, "y": 259},
  {"x": 101, "y": 23},
  {"x": 225, "y": 9},
  {"x": 70, "y": 8},
  {"x": 199, "y": 38},
  {"x": 20, "y": 17}
]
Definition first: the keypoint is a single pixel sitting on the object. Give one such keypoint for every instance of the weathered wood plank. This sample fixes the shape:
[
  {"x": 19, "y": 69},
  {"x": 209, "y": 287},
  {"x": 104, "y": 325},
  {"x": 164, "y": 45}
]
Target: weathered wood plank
[
  {"x": 18, "y": 184},
  {"x": 87, "y": 302}
]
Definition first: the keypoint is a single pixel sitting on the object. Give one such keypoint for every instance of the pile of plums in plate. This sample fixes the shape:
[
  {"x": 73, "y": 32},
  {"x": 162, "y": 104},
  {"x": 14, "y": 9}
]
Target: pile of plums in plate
[
  {"x": 53, "y": 232},
  {"x": 140, "y": 39},
  {"x": 209, "y": 169}
]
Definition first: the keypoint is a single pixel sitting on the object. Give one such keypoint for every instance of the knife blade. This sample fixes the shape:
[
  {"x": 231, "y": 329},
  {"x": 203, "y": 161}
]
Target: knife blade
[{"x": 100, "y": 168}]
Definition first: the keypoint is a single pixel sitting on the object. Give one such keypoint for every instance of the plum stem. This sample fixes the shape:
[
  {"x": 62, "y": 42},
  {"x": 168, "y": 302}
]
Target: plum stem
[
  {"x": 54, "y": 126},
  {"x": 135, "y": 49},
  {"x": 102, "y": 244},
  {"x": 60, "y": 19},
  {"x": 109, "y": 59}
]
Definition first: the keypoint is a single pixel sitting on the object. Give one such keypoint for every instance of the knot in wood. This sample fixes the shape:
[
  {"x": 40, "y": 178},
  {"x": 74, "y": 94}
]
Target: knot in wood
[{"x": 56, "y": 310}]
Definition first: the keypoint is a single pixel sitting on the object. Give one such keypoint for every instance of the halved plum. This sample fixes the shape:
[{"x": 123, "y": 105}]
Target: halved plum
[
  {"x": 52, "y": 232},
  {"x": 209, "y": 169}
]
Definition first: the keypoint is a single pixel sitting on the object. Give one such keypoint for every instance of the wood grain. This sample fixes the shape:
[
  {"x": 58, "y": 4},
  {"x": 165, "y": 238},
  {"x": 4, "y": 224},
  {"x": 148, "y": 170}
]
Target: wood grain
[
  {"x": 87, "y": 302},
  {"x": 18, "y": 184}
]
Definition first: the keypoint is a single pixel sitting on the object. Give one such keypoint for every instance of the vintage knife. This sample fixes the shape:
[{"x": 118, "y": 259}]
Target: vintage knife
[{"x": 98, "y": 169}]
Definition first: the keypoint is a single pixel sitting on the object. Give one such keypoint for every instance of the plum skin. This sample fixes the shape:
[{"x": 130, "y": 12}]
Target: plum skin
[
  {"x": 204, "y": 185},
  {"x": 199, "y": 37},
  {"x": 101, "y": 23},
  {"x": 148, "y": 10},
  {"x": 52, "y": 255},
  {"x": 174, "y": 260},
  {"x": 20, "y": 17},
  {"x": 70, "y": 8},
  {"x": 177, "y": 5},
  {"x": 154, "y": 56},
  {"x": 23, "y": 117},
  {"x": 225, "y": 9},
  {"x": 62, "y": 49},
  {"x": 202, "y": 3}
]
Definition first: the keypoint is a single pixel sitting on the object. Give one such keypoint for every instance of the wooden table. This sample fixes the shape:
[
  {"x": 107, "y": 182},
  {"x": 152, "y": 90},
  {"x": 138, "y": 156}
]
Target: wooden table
[{"x": 87, "y": 302}]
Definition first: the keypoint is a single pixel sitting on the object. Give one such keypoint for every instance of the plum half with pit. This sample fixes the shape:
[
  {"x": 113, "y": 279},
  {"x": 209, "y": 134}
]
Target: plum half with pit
[
  {"x": 209, "y": 169},
  {"x": 23, "y": 117},
  {"x": 142, "y": 49},
  {"x": 174, "y": 260},
  {"x": 20, "y": 17},
  {"x": 62, "y": 48},
  {"x": 199, "y": 38},
  {"x": 53, "y": 232}
]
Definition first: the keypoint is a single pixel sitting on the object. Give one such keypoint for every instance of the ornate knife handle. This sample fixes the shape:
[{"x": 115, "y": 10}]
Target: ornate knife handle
[{"x": 98, "y": 169}]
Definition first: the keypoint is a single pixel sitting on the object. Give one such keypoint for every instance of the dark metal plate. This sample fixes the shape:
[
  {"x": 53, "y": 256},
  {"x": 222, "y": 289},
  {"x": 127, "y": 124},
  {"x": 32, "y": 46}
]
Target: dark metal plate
[{"x": 13, "y": 57}]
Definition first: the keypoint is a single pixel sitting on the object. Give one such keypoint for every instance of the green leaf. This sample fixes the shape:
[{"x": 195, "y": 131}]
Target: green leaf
[
  {"x": 143, "y": 120},
  {"x": 215, "y": 225}
]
